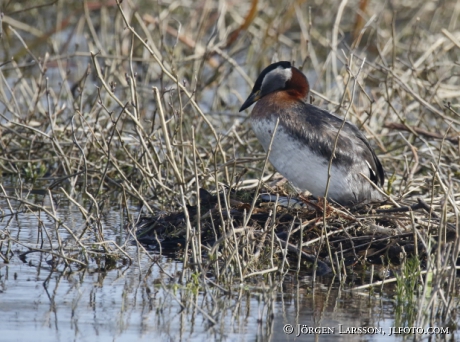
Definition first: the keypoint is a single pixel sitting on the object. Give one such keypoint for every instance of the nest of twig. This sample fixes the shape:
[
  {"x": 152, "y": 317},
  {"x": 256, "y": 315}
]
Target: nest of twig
[{"x": 378, "y": 234}]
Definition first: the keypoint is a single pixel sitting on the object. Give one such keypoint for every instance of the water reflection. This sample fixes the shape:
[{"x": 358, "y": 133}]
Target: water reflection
[{"x": 146, "y": 301}]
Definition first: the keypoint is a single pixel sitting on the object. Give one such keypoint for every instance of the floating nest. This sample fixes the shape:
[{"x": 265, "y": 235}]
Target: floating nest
[{"x": 377, "y": 234}]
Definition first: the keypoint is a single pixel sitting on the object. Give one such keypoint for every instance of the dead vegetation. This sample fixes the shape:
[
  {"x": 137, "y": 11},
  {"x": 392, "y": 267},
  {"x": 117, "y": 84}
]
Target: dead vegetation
[{"x": 136, "y": 104}]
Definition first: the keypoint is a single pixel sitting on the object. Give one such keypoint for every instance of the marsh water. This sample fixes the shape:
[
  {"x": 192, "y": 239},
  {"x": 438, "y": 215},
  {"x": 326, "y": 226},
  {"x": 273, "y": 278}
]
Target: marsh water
[
  {"x": 41, "y": 301},
  {"x": 144, "y": 299}
]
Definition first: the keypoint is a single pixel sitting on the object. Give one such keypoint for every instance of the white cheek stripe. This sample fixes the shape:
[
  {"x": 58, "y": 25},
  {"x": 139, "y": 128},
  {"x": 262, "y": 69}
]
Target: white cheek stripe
[{"x": 277, "y": 75}]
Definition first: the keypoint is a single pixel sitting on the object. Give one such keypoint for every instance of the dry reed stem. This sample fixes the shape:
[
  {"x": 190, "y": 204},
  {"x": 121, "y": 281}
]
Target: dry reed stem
[{"x": 161, "y": 148}]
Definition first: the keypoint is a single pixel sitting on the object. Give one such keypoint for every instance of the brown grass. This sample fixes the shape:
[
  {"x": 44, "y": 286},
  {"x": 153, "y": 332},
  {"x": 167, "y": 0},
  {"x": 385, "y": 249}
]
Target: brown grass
[{"x": 138, "y": 102}]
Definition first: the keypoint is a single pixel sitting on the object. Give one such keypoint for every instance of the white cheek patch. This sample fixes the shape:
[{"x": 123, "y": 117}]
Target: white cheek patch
[{"x": 276, "y": 79}]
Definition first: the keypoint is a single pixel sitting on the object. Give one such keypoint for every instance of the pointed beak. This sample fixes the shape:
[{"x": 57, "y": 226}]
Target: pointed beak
[{"x": 254, "y": 97}]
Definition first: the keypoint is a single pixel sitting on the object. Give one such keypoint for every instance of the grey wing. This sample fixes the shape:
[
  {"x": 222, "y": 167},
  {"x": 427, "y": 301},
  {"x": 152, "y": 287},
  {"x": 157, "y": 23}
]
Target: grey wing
[
  {"x": 353, "y": 149},
  {"x": 377, "y": 174}
]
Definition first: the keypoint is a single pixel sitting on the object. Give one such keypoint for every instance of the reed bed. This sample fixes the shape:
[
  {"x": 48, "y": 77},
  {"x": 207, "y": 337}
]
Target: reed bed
[{"x": 136, "y": 103}]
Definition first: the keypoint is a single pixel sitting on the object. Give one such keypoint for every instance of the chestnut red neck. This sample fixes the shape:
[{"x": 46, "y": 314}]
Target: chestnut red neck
[{"x": 298, "y": 86}]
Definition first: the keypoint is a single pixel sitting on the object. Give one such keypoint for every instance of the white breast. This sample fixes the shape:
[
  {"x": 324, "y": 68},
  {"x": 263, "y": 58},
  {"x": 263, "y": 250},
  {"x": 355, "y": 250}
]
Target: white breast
[{"x": 305, "y": 169}]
